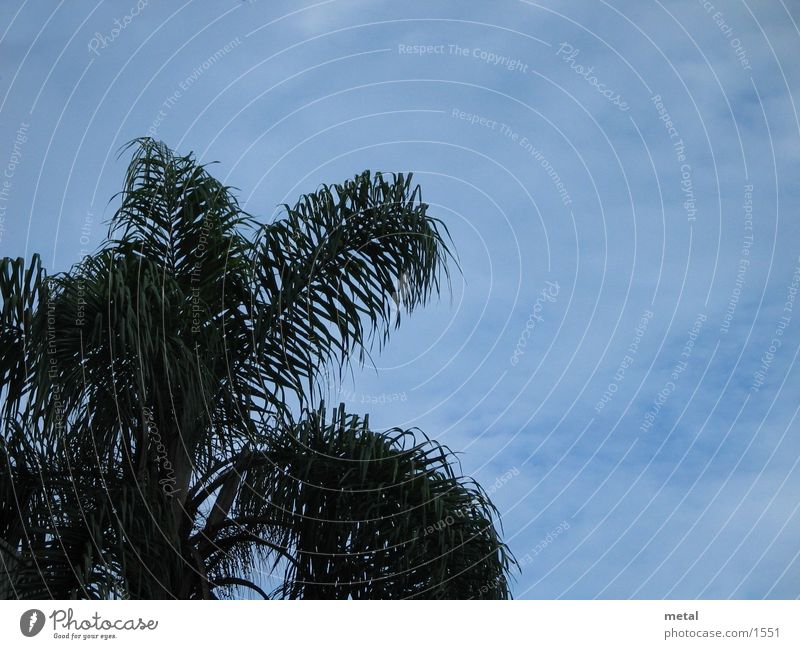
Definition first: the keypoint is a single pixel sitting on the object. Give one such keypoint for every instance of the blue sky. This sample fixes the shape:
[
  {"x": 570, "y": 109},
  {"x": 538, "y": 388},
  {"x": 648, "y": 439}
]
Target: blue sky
[{"x": 539, "y": 134}]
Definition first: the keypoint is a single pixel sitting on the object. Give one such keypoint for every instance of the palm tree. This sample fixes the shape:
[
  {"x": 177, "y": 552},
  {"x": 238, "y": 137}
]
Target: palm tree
[{"x": 159, "y": 433}]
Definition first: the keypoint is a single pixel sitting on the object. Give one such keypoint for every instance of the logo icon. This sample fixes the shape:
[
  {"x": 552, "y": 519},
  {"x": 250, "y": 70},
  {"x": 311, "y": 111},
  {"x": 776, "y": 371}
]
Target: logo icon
[{"x": 31, "y": 622}]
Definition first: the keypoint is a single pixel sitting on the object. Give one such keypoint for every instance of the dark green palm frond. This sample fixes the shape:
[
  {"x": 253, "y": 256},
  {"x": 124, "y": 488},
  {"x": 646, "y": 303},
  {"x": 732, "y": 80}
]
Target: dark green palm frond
[
  {"x": 73, "y": 528},
  {"x": 329, "y": 274},
  {"x": 174, "y": 212},
  {"x": 171, "y": 357},
  {"x": 21, "y": 291},
  {"x": 351, "y": 513}
]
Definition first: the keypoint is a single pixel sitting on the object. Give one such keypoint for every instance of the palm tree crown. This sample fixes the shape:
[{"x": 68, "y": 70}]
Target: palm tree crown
[{"x": 148, "y": 448}]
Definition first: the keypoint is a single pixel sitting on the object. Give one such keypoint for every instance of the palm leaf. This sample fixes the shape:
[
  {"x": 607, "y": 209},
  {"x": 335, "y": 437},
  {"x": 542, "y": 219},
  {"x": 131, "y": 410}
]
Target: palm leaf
[{"x": 148, "y": 446}]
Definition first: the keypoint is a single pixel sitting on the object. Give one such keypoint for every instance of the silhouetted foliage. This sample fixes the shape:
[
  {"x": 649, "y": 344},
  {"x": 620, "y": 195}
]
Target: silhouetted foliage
[{"x": 148, "y": 447}]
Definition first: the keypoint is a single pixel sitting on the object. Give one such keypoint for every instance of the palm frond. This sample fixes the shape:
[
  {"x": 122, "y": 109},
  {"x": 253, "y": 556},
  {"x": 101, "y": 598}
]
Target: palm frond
[
  {"x": 148, "y": 445},
  {"x": 327, "y": 275},
  {"x": 369, "y": 515}
]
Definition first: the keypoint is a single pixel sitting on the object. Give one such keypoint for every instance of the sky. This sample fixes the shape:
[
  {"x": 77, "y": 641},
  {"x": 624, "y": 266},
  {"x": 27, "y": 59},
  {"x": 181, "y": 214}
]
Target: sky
[{"x": 616, "y": 359}]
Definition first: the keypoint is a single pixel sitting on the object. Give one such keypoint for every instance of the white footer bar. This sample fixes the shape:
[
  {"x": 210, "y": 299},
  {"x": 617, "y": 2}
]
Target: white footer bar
[{"x": 402, "y": 624}]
